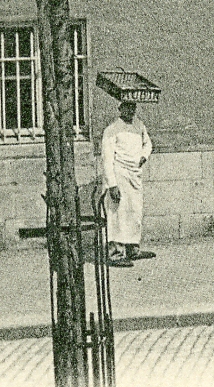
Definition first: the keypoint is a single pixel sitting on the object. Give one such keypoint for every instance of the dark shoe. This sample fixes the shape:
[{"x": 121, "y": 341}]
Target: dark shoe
[
  {"x": 143, "y": 255},
  {"x": 134, "y": 253},
  {"x": 121, "y": 262},
  {"x": 116, "y": 250}
]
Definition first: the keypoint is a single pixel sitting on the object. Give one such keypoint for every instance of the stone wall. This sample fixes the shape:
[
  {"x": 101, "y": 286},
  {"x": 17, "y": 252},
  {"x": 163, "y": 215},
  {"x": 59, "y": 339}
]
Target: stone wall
[
  {"x": 179, "y": 196},
  {"x": 22, "y": 184},
  {"x": 178, "y": 192}
]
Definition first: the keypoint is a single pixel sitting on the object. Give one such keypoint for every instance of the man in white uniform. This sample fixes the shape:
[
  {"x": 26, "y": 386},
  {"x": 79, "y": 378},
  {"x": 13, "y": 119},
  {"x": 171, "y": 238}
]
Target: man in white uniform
[{"x": 126, "y": 146}]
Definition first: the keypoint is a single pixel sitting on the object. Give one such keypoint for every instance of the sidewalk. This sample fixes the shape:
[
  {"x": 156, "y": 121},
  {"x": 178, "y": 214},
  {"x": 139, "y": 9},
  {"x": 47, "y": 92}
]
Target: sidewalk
[
  {"x": 179, "y": 281},
  {"x": 163, "y": 314}
]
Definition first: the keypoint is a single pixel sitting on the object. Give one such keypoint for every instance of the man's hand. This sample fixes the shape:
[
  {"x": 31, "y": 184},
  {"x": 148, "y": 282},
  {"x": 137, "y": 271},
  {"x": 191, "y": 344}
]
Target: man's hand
[
  {"x": 115, "y": 194},
  {"x": 142, "y": 161}
]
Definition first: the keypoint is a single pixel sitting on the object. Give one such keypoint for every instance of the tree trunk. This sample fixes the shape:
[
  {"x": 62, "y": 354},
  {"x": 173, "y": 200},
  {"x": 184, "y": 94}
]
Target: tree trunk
[{"x": 69, "y": 332}]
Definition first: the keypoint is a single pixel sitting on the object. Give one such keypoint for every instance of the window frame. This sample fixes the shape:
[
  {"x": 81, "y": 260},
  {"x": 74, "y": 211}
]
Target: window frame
[
  {"x": 22, "y": 135},
  {"x": 82, "y": 132},
  {"x": 25, "y": 135}
]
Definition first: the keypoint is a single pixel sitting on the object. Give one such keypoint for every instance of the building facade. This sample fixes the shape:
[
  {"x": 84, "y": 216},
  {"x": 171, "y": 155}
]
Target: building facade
[{"x": 170, "y": 43}]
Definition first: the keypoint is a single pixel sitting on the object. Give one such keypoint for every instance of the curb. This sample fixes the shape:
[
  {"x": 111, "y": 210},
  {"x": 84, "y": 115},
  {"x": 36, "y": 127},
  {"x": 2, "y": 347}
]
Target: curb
[{"x": 120, "y": 325}]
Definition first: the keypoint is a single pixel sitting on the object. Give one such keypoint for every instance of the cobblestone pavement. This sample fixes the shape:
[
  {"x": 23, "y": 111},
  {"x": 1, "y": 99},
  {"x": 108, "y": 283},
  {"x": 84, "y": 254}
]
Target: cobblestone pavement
[{"x": 177, "y": 357}]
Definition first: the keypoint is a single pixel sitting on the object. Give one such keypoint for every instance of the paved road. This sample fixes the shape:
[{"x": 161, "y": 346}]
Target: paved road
[{"x": 178, "y": 357}]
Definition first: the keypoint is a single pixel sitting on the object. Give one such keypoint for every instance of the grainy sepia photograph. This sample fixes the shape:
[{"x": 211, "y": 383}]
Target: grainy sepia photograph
[{"x": 106, "y": 193}]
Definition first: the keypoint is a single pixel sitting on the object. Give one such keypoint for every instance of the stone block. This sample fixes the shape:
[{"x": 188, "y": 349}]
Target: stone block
[
  {"x": 29, "y": 204},
  {"x": 7, "y": 202},
  {"x": 83, "y": 147},
  {"x": 85, "y": 192},
  {"x": 84, "y": 159},
  {"x": 85, "y": 175},
  {"x": 27, "y": 171},
  {"x": 12, "y": 232},
  {"x": 4, "y": 164},
  {"x": 24, "y": 151},
  {"x": 176, "y": 166},
  {"x": 2, "y": 235},
  {"x": 162, "y": 198},
  {"x": 197, "y": 225},
  {"x": 146, "y": 170},
  {"x": 99, "y": 166},
  {"x": 203, "y": 196},
  {"x": 161, "y": 228},
  {"x": 207, "y": 165}
]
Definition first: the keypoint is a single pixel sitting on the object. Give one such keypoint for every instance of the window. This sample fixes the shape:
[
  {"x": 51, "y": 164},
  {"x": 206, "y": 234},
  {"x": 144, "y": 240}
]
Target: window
[
  {"x": 20, "y": 86},
  {"x": 80, "y": 81},
  {"x": 21, "y": 89}
]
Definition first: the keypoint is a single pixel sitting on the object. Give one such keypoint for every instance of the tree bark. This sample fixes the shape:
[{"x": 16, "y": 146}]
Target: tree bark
[{"x": 69, "y": 333}]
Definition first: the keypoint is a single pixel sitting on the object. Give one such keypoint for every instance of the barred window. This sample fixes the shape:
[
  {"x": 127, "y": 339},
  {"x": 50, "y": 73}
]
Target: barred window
[
  {"x": 20, "y": 86},
  {"x": 21, "y": 119},
  {"x": 80, "y": 81}
]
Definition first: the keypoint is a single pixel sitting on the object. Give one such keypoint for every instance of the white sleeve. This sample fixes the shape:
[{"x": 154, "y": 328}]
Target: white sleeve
[
  {"x": 108, "y": 152},
  {"x": 147, "y": 144}
]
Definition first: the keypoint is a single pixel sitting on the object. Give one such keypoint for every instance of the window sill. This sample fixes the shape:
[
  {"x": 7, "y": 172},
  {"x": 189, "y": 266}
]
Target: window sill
[
  {"x": 19, "y": 151},
  {"x": 37, "y": 149}
]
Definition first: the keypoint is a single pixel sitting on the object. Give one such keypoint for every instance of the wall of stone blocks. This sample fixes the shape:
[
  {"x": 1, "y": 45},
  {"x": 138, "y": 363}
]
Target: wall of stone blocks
[
  {"x": 177, "y": 191},
  {"x": 23, "y": 183},
  {"x": 179, "y": 196}
]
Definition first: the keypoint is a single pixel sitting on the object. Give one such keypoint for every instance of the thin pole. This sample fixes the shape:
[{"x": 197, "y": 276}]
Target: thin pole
[
  {"x": 18, "y": 89},
  {"x": 76, "y": 82},
  {"x": 3, "y": 87},
  {"x": 32, "y": 83}
]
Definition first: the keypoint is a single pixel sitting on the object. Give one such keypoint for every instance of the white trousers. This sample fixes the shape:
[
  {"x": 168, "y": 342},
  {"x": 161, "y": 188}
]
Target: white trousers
[{"x": 124, "y": 219}]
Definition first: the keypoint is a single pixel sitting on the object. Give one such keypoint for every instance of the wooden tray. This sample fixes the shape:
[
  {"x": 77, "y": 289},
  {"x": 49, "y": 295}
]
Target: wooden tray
[{"x": 128, "y": 86}]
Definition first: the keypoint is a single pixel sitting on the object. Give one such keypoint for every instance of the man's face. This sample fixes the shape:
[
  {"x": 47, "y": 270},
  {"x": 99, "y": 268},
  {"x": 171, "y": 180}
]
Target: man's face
[{"x": 127, "y": 112}]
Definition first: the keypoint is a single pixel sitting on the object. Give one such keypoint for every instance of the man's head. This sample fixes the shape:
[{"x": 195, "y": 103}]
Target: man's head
[{"x": 127, "y": 111}]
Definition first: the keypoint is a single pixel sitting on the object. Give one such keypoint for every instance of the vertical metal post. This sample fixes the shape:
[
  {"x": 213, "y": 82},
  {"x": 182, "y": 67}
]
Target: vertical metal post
[
  {"x": 106, "y": 347},
  {"x": 3, "y": 86},
  {"x": 18, "y": 89},
  {"x": 95, "y": 352},
  {"x": 39, "y": 111},
  {"x": 32, "y": 65},
  {"x": 76, "y": 82}
]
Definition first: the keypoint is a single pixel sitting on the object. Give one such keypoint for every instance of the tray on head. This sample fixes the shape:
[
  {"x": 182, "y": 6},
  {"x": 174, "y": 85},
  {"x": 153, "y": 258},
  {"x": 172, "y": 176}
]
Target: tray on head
[{"x": 128, "y": 86}]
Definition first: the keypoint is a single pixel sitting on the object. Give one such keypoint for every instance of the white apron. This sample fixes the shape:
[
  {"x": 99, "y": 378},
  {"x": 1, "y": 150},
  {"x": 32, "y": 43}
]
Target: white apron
[
  {"x": 123, "y": 146},
  {"x": 125, "y": 218}
]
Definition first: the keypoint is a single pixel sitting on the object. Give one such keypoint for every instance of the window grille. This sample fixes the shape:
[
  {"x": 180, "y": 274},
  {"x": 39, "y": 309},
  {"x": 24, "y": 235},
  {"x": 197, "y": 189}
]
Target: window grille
[
  {"x": 80, "y": 81},
  {"x": 20, "y": 86},
  {"x": 21, "y": 119}
]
